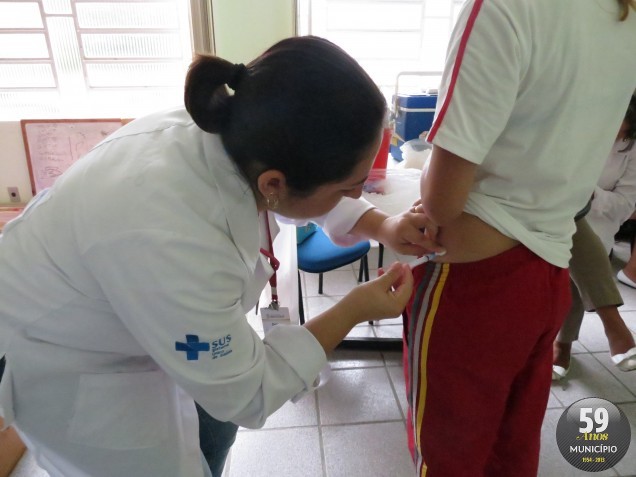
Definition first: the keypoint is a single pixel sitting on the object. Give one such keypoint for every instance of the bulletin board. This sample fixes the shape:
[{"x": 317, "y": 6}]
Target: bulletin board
[{"x": 52, "y": 145}]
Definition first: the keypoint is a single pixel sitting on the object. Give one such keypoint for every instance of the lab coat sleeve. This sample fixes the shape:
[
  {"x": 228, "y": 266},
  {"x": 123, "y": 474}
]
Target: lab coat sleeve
[
  {"x": 618, "y": 203},
  {"x": 338, "y": 222},
  {"x": 179, "y": 295}
]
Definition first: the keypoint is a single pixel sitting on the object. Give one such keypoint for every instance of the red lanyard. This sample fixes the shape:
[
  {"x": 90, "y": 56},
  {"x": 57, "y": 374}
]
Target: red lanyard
[{"x": 273, "y": 261}]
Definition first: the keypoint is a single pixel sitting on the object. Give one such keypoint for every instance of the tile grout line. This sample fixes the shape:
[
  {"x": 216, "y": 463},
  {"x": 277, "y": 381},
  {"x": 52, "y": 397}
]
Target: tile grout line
[
  {"x": 323, "y": 456},
  {"x": 392, "y": 384}
]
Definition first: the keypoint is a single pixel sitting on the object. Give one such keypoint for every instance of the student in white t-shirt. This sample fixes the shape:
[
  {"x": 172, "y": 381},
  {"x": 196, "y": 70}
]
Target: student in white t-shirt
[{"x": 531, "y": 97}]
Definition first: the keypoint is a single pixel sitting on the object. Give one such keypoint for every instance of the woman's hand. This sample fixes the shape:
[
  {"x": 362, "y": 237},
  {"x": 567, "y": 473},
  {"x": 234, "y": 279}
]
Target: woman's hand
[
  {"x": 383, "y": 297},
  {"x": 410, "y": 233}
]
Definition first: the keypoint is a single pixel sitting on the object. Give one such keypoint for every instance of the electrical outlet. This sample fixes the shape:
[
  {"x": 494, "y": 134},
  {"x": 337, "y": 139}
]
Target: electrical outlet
[{"x": 14, "y": 194}]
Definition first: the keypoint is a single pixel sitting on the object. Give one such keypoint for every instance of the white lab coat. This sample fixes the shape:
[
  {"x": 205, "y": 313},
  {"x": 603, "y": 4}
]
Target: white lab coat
[
  {"x": 145, "y": 253},
  {"x": 615, "y": 193}
]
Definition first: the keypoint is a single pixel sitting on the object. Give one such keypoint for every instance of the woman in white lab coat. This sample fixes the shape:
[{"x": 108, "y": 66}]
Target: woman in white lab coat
[{"x": 124, "y": 287}]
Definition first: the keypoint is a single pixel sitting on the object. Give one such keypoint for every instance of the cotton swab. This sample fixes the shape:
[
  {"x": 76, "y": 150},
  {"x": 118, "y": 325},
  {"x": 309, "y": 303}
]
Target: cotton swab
[{"x": 424, "y": 258}]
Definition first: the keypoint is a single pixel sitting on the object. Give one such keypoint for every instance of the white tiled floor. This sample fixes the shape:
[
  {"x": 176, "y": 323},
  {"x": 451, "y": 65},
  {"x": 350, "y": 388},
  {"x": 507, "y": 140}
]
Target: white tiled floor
[{"x": 354, "y": 425}]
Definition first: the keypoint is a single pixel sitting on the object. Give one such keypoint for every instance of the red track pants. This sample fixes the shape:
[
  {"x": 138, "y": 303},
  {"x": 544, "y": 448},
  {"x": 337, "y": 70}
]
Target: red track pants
[{"x": 478, "y": 360}]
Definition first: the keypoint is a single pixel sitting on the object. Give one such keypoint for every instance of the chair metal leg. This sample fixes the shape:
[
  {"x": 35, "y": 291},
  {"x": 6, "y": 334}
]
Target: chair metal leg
[
  {"x": 364, "y": 269},
  {"x": 380, "y": 255},
  {"x": 301, "y": 308},
  {"x": 320, "y": 283}
]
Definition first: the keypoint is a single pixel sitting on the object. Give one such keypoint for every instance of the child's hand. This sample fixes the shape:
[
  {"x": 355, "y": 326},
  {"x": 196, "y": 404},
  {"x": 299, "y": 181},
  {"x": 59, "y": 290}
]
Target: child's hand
[{"x": 384, "y": 297}]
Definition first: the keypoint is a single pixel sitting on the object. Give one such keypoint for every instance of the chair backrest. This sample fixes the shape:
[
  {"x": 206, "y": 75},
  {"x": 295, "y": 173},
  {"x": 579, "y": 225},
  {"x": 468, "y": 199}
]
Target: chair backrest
[
  {"x": 318, "y": 254},
  {"x": 304, "y": 231}
]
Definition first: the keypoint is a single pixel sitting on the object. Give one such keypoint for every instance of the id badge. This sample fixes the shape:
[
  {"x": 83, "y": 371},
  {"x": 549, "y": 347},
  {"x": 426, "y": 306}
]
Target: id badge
[{"x": 275, "y": 316}]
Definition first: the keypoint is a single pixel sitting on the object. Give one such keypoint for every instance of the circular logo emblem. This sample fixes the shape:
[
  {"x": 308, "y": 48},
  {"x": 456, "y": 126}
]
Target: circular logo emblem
[{"x": 593, "y": 434}]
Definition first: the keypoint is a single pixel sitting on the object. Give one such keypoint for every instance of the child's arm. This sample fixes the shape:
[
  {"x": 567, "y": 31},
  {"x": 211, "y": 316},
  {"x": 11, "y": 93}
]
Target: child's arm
[
  {"x": 446, "y": 185},
  {"x": 445, "y": 189}
]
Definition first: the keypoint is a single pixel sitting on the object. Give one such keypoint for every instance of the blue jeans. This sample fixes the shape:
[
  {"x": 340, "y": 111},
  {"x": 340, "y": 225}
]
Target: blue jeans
[{"x": 216, "y": 439}]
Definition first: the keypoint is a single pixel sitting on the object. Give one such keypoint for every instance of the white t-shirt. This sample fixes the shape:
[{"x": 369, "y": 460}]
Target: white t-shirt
[{"x": 534, "y": 93}]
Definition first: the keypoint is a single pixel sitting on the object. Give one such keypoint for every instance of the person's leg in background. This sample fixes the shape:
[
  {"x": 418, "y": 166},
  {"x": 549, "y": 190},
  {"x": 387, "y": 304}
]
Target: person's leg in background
[
  {"x": 478, "y": 362},
  {"x": 216, "y": 439},
  {"x": 594, "y": 290},
  {"x": 586, "y": 250},
  {"x": 11, "y": 446},
  {"x": 568, "y": 334},
  {"x": 621, "y": 341}
]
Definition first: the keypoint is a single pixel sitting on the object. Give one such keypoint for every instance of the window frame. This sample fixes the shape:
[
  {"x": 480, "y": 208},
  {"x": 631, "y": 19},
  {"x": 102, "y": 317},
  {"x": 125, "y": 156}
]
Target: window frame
[{"x": 49, "y": 98}]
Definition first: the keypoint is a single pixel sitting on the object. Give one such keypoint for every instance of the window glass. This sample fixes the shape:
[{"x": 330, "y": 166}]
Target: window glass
[
  {"x": 20, "y": 15},
  {"x": 387, "y": 37},
  {"x": 63, "y": 58}
]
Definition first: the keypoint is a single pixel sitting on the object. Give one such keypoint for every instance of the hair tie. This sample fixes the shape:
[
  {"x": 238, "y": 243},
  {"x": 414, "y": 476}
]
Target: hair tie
[{"x": 237, "y": 76}]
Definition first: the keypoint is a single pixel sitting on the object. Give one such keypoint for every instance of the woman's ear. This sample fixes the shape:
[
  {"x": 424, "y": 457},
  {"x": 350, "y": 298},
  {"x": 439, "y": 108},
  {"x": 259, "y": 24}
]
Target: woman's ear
[{"x": 272, "y": 184}]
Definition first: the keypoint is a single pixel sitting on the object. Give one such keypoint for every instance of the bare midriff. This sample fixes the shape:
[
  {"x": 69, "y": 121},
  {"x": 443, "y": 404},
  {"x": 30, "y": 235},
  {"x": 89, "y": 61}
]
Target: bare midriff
[{"x": 469, "y": 239}]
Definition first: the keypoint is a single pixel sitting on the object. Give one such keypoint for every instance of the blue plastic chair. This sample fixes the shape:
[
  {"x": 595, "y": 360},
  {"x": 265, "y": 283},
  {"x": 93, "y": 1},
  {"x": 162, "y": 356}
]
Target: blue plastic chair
[{"x": 318, "y": 254}]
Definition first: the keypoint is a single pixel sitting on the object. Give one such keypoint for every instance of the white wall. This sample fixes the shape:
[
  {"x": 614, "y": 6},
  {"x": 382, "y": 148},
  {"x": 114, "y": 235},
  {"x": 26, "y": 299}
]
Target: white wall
[{"x": 243, "y": 30}]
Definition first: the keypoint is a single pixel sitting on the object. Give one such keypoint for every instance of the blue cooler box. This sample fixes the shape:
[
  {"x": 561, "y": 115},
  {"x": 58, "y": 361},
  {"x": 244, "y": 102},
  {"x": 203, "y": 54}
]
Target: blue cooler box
[{"x": 413, "y": 115}]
